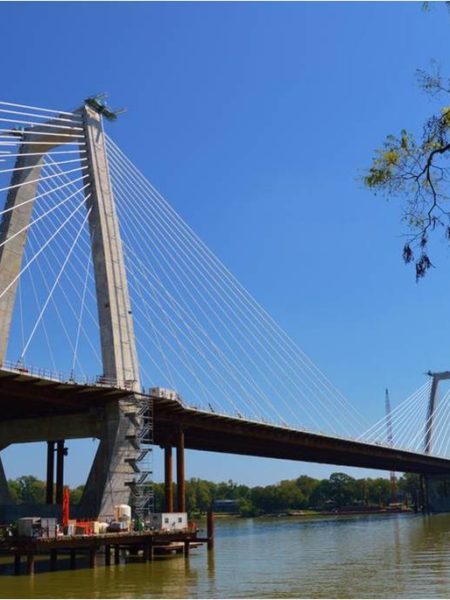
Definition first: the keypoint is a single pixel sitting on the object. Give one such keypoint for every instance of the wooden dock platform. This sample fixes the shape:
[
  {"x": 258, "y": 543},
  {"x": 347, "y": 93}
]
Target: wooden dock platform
[{"x": 146, "y": 543}]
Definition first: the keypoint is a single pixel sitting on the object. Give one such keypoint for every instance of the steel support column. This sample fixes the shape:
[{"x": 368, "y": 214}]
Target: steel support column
[
  {"x": 168, "y": 483},
  {"x": 181, "y": 486},
  {"x": 49, "y": 494},
  {"x": 60, "y": 453}
]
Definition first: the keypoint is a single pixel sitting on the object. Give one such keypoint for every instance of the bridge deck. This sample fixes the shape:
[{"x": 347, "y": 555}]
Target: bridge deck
[{"x": 23, "y": 396}]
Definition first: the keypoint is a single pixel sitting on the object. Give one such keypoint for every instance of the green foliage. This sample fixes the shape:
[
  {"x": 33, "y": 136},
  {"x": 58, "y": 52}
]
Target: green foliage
[
  {"x": 27, "y": 490},
  {"x": 30, "y": 490},
  {"x": 409, "y": 486},
  {"x": 297, "y": 494},
  {"x": 75, "y": 495},
  {"x": 415, "y": 167},
  {"x": 305, "y": 492}
]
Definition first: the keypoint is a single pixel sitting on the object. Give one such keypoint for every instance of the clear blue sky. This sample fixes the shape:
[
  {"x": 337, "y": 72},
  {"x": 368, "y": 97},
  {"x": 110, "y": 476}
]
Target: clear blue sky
[{"x": 255, "y": 121}]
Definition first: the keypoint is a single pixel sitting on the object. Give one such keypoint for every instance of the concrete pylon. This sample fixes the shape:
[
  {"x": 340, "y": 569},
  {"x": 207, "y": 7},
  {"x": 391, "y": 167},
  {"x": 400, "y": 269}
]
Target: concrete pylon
[
  {"x": 106, "y": 485},
  {"x": 110, "y": 472},
  {"x": 20, "y": 200},
  {"x": 5, "y": 497},
  {"x": 23, "y": 191},
  {"x": 436, "y": 378},
  {"x": 119, "y": 355}
]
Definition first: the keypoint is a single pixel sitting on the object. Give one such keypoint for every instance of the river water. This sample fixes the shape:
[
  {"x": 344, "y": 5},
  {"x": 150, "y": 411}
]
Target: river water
[{"x": 361, "y": 556}]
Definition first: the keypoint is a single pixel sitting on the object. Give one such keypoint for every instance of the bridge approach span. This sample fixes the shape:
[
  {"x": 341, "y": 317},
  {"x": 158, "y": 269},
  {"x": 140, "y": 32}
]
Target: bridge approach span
[{"x": 36, "y": 409}]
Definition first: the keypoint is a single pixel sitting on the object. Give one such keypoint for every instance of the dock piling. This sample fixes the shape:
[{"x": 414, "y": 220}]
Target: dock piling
[
  {"x": 107, "y": 555},
  {"x": 210, "y": 529},
  {"x": 30, "y": 563},
  {"x": 93, "y": 558},
  {"x": 17, "y": 558}
]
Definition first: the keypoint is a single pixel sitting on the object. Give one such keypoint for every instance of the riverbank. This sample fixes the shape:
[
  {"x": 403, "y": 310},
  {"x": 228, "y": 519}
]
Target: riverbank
[{"x": 315, "y": 513}]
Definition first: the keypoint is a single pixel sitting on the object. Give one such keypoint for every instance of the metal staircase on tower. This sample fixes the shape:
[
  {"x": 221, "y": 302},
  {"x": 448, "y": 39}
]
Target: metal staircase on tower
[{"x": 140, "y": 438}]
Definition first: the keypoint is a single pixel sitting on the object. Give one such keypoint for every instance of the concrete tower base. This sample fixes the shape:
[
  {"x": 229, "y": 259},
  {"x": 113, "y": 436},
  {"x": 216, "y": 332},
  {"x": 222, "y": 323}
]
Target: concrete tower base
[
  {"x": 5, "y": 497},
  {"x": 107, "y": 482}
]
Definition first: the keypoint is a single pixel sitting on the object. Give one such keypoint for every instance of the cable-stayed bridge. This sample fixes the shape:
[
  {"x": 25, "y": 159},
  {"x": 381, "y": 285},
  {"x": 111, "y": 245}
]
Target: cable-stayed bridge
[{"x": 117, "y": 322}]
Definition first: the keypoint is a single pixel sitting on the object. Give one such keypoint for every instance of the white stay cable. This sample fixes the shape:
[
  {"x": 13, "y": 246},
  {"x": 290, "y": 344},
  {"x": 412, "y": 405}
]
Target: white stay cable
[
  {"x": 55, "y": 284},
  {"x": 34, "y": 115},
  {"x": 47, "y": 110},
  {"x": 30, "y": 262},
  {"x": 411, "y": 422},
  {"x": 49, "y": 154},
  {"x": 239, "y": 289},
  {"x": 83, "y": 301},
  {"x": 282, "y": 382},
  {"x": 184, "y": 306},
  {"x": 62, "y": 162},
  {"x": 380, "y": 425},
  {"x": 188, "y": 335},
  {"x": 34, "y": 124},
  {"x": 156, "y": 334},
  {"x": 6, "y": 210},
  {"x": 263, "y": 345},
  {"x": 13, "y": 133},
  {"x": 35, "y": 294},
  {"x": 441, "y": 428},
  {"x": 53, "y": 208},
  {"x": 58, "y": 310},
  {"x": 39, "y": 179},
  {"x": 185, "y": 317},
  {"x": 72, "y": 224},
  {"x": 421, "y": 435}
]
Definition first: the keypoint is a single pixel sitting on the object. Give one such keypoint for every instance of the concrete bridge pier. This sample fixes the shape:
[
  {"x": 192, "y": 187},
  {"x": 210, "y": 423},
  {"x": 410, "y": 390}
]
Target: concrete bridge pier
[
  {"x": 178, "y": 442},
  {"x": 5, "y": 497},
  {"x": 106, "y": 485},
  {"x": 168, "y": 482}
]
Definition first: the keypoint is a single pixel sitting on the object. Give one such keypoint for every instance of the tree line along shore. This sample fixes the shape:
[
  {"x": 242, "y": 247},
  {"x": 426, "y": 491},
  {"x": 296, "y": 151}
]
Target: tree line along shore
[{"x": 339, "y": 492}]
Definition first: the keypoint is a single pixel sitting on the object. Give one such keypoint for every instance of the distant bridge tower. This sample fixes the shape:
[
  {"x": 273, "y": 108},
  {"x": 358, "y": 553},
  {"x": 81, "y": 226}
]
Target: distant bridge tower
[
  {"x": 390, "y": 440},
  {"x": 107, "y": 481},
  {"x": 429, "y": 424}
]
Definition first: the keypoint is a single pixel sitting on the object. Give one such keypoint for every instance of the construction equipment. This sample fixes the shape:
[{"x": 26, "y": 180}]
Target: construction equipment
[{"x": 99, "y": 104}]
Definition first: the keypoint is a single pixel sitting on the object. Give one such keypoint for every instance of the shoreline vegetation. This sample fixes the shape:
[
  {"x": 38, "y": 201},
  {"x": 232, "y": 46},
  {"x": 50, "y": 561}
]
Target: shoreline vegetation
[{"x": 304, "y": 496}]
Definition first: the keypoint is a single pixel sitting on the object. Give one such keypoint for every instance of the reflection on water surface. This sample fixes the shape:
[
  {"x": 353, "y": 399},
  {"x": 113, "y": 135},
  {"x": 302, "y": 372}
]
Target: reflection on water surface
[{"x": 366, "y": 556}]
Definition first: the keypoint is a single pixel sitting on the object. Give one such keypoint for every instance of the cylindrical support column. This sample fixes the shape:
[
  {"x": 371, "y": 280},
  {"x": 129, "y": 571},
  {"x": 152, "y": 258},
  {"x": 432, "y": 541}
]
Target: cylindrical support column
[
  {"x": 30, "y": 563},
  {"x": 181, "y": 486},
  {"x": 60, "y": 453},
  {"x": 168, "y": 483},
  {"x": 73, "y": 559},
  {"x": 17, "y": 564},
  {"x": 210, "y": 529},
  {"x": 107, "y": 555},
  {"x": 145, "y": 552},
  {"x": 117, "y": 554},
  {"x": 186, "y": 548},
  {"x": 424, "y": 494},
  {"x": 93, "y": 557},
  {"x": 53, "y": 559},
  {"x": 49, "y": 496}
]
